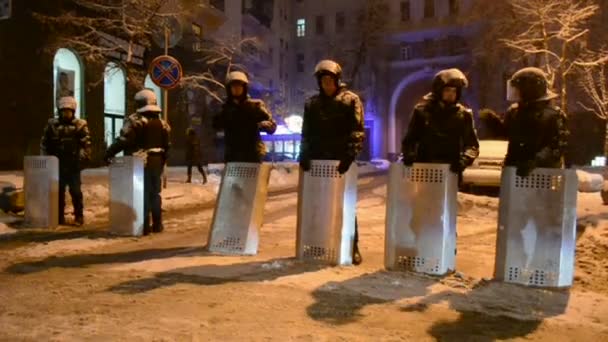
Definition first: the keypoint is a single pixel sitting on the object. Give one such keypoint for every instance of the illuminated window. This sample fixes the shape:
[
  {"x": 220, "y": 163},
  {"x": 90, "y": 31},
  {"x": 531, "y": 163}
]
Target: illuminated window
[
  {"x": 67, "y": 78},
  {"x": 114, "y": 89},
  {"x": 114, "y": 99},
  {"x": 301, "y": 28},
  {"x": 5, "y": 9}
]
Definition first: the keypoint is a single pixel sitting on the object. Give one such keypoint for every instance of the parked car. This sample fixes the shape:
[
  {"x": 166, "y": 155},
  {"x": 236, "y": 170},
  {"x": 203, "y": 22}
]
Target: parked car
[{"x": 487, "y": 169}]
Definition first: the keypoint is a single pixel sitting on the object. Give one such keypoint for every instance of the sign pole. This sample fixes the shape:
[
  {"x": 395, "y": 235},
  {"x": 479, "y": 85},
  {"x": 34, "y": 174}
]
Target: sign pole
[
  {"x": 165, "y": 91},
  {"x": 166, "y": 102},
  {"x": 166, "y": 72}
]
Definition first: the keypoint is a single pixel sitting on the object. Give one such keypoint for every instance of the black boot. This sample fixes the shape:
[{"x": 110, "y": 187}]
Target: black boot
[
  {"x": 79, "y": 221},
  {"x": 157, "y": 228},
  {"x": 147, "y": 228},
  {"x": 202, "y": 172},
  {"x": 357, "y": 259},
  {"x": 147, "y": 231}
]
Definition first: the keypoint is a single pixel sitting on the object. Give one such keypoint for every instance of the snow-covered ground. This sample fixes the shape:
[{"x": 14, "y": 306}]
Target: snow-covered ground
[
  {"x": 166, "y": 288},
  {"x": 178, "y": 196}
]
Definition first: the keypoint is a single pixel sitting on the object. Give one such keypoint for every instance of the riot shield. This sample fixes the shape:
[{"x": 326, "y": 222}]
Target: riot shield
[
  {"x": 239, "y": 210},
  {"x": 421, "y": 218},
  {"x": 127, "y": 196},
  {"x": 536, "y": 237},
  {"x": 326, "y": 213},
  {"x": 41, "y": 187}
]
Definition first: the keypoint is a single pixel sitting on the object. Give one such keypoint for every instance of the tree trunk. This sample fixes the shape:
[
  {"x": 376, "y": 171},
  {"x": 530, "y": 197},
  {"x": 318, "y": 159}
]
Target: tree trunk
[
  {"x": 564, "y": 95},
  {"x": 606, "y": 143},
  {"x": 605, "y": 189}
]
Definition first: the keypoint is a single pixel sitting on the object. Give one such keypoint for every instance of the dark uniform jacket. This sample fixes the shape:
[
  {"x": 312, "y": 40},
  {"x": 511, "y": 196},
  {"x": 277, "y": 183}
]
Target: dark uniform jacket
[
  {"x": 69, "y": 141},
  {"x": 537, "y": 134},
  {"x": 144, "y": 133},
  {"x": 193, "y": 149},
  {"x": 438, "y": 134},
  {"x": 240, "y": 123},
  {"x": 333, "y": 127}
]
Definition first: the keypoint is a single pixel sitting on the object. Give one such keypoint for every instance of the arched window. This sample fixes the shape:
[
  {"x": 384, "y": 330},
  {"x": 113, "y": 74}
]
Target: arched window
[
  {"x": 114, "y": 90},
  {"x": 67, "y": 78},
  {"x": 159, "y": 94}
]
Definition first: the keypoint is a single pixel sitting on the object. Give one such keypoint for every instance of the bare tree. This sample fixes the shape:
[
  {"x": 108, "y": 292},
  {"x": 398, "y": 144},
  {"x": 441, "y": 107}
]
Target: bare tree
[
  {"x": 102, "y": 28},
  {"x": 372, "y": 25},
  {"x": 553, "y": 37},
  {"x": 218, "y": 59},
  {"x": 354, "y": 53},
  {"x": 492, "y": 59},
  {"x": 593, "y": 80}
]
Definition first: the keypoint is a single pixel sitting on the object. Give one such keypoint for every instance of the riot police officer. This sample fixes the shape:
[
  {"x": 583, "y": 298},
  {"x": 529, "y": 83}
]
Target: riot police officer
[
  {"x": 333, "y": 126},
  {"x": 441, "y": 129},
  {"x": 536, "y": 130},
  {"x": 68, "y": 139},
  {"x": 145, "y": 133},
  {"x": 242, "y": 119}
]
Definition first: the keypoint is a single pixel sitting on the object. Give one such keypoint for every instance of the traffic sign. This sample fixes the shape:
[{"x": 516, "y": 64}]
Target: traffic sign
[
  {"x": 175, "y": 32},
  {"x": 165, "y": 72}
]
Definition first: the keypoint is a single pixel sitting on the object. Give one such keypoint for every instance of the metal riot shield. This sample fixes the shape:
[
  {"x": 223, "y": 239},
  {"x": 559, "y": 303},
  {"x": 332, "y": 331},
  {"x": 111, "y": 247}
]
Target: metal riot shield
[
  {"x": 41, "y": 187},
  {"x": 239, "y": 210},
  {"x": 421, "y": 218},
  {"x": 326, "y": 213},
  {"x": 127, "y": 196},
  {"x": 536, "y": 236}
]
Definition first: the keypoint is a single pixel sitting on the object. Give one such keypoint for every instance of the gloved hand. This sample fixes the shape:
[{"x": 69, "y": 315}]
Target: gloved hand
[
  {"x": 83, "y": 156},
  {"x": 525, "y": 168},
  {"x": 544, "y": 156},
  {"x": 305, "y": 164},
  {"x": 107, "y": 158},
  {"x": 264, "y": 125},
  {"x": 345, "y": 164},
  {"x": 459, "y": 166},
  {"x": 408, "y": 160}
]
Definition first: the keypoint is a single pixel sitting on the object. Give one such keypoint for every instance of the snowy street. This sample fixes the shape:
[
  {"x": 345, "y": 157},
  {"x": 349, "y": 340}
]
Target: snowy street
[{"x": 84, "y": 284}]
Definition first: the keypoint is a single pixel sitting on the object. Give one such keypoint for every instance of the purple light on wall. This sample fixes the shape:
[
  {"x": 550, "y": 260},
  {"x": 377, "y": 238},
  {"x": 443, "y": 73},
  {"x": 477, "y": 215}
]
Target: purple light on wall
[{"x": 372, "y": 122}]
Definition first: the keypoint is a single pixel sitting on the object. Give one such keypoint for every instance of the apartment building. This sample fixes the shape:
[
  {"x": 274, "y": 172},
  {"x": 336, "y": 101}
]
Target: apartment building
[{"x": 418, "y": 38}]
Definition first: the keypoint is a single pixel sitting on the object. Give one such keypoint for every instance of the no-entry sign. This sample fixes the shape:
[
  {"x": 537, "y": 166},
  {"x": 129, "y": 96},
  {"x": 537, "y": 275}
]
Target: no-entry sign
[{"x": 165, "y": 72}]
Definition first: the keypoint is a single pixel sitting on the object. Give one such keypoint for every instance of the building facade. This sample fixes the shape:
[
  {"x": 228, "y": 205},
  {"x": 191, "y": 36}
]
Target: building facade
[
  {"x": 416, "y": 39},
  {"x": 38, "y": 71}
]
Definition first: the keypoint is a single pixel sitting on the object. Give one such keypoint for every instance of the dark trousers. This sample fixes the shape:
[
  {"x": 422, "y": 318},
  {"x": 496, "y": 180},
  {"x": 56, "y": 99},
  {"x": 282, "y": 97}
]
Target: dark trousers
[
  {"x": 152, "y": 200},
  {"x": 199, "y": 166},
  {"x": 356, "y": 241},
  {"x": 71, "y": 180}
]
